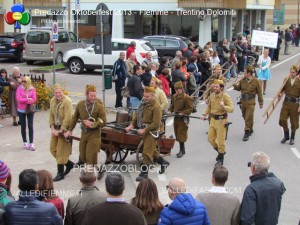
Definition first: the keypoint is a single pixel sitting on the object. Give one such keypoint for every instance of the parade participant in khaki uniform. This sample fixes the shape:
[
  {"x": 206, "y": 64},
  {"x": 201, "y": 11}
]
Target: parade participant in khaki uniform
[
  {"x": 182, "y": 105},
  {"x": 291, "y": 105},
  {"x": 217, "y": 75},
  {"x": 91, "y": 113},
  {"x": 249, "y": 87},
  {"x": 148, "y": 119},
  {"x": 219, "y": 105},
  {"x": 60, "y": 116}
]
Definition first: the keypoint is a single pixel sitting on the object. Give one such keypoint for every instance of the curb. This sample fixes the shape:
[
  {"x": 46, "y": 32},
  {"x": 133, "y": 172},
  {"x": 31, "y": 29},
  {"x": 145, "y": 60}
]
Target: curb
[{"x": 46, "y": 71}]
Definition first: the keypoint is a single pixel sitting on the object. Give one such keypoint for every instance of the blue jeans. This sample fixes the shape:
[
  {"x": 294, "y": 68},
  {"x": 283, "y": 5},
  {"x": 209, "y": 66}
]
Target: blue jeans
[
  {"x": 135, "y": 104},
  {"x": 22, "y": 118}
]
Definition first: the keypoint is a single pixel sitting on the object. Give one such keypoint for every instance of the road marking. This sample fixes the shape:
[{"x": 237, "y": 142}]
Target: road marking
[
  {"x": 296, "y": 152},
  {"x": 162, "y": 177},
  {"x": 230, "y": 89},
  {"x": 202, "y": 103},
  {"x": 284, "y": 61}
]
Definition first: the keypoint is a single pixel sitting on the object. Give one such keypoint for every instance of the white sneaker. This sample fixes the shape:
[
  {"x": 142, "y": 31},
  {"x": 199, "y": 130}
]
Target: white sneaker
[
  {"x": 32, "y": 147},
  {"x": 26, "y": 146}
]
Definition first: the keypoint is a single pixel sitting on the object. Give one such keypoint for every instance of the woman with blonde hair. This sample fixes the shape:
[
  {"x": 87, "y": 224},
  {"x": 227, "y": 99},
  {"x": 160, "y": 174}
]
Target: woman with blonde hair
[
  {"x": 47, "y": 193},
  {"x": 26, "y": 96},
  {"x": 146, "y": 199}
]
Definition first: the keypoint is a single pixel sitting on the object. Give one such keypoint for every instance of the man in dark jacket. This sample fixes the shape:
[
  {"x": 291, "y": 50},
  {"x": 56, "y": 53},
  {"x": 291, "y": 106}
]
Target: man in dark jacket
[
  {"x": 262, "y": 198},
  {"x": 115, "y": 211},
  {"x": 88, "y": 196},
  {"x": 184, "y": 209},
  {"x": 29, "y": 210},
  {"x": 177, "y": 75},
  {"x": 146, "y": 77},
  {"x": 119, "y": 74},
  {"x": 135, "y": 88}
]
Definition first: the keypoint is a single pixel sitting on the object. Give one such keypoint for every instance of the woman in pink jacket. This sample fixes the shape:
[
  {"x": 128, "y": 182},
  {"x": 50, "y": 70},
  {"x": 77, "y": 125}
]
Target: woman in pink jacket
[{"x": 26, "y": 95}]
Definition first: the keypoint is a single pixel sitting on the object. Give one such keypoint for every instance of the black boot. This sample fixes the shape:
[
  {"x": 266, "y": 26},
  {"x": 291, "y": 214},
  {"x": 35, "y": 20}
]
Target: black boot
[
  {"x": 60, "y": 173},
  {"x": 79, "y": 163},
  {"x": 251, "y": 132},
  {"x": 181, "y": 150},
  {"x": 101, "y": 171},
  {"x": 144, "y": 173},
  {"x": 163, "y": 164},
  {"x": 69, "y": 166},
  {"x": 286, "y": 136},
  {"x": 292, "y": 139},
  {"x": 246, "y": 135},
  {"x": 220, "y": 159}
]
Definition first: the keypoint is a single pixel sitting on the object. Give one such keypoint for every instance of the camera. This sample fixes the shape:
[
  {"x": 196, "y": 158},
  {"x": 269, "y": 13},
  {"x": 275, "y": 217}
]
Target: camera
[{"x": 249, "y": 164}]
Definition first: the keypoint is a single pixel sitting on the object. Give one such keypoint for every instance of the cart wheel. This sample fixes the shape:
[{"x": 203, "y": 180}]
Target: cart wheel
[
  {"x": 139, "y": 152},
  {"x": 119, "y": 155}
]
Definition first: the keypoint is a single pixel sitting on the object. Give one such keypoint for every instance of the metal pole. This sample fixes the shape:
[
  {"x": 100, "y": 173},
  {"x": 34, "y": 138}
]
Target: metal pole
[
  {"x": 77, "y": 25},
  {"x": 102, "y": 54},
  {"x": 54, "y": 63}
]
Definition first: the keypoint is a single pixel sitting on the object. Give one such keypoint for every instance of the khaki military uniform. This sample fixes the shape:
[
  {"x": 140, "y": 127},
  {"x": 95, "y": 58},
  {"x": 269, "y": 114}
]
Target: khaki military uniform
[
  {"x": 290, "y": 105},
  {"x": 90, "y": 140},
  {"x": 249, "y": 89},
  {"x": 183, "y": 104},
  {"x": 60, "y": 117},
  {"x": 218, "y": 115},
  {"x": 149, "y": 115}
]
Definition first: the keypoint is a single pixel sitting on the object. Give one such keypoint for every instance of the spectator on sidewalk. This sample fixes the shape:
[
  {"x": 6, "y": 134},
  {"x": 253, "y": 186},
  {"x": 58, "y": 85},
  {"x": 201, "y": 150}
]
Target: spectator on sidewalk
[
  {"x": 26, "y": 95},
  {"x": 146, "y": 199},
  {"x": 262, "y": 198},
  {"x": 184, "y": 209},
  {"x": 115, "y": 210},
  {"x": 47, "y": 192},
  {"x": 146, "y": 77},
  {"x": 164, "y": 77},
  {"x": 218, "y": 197},
  {"x": 130, "y": 50},
  {"x": 175, "y": 60},
  {"x": 4, "y": 196},
  {"x": 29, "y": 209},
  {"x": 277, "y": 50},
  {"x": 135, "y": 88},
  {"x": 88, "y": 196},
  {"x": 16, "y": 80},
  {"x": 177, "y": 75},
  {"x": 162, "y": 65},
  {"x": 288, "y": 41}
]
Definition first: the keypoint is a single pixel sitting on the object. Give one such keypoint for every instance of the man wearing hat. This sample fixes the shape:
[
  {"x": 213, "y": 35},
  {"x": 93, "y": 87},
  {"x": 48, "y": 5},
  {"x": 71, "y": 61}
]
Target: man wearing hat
[
  {"x": 91, "y": 112},
  {"x": 249, "y": 86},
  {"x": 4, "y": 197},
  {"x": 60, "y": 116},
  {"x": 182, "y": 106},
  {"x": 219, "y": 104},
  {"x": 148, "y": 119}
]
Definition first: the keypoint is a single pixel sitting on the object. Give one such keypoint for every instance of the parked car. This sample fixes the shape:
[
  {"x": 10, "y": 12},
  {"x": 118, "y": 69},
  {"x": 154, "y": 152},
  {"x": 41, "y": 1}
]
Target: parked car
[
  {"x": 79, "y": 59},
  {"x": 167, "y": 45},
  {"x": 39, "y": 45},
  {"x": 11, "y": 46}
]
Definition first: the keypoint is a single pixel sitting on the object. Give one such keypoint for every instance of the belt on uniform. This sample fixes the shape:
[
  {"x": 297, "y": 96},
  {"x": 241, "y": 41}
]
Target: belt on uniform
[
  {"x": 57, "y": 127},
  {"x": 219, "y": 117},
  {"x": 247, "y": 96},
  {"x": 291, "y": 99},
  {"x": 85, "y": 130}
]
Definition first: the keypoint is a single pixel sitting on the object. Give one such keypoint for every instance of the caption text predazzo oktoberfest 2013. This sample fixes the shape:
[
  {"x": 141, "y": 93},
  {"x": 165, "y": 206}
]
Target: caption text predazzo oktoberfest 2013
[{"x": 188, "y": 12}]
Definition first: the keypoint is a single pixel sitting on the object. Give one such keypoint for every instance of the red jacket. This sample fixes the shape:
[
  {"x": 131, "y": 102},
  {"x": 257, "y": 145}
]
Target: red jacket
[
  {"x": 165, "y": 84},
  {"x": 130, "y": 50}
]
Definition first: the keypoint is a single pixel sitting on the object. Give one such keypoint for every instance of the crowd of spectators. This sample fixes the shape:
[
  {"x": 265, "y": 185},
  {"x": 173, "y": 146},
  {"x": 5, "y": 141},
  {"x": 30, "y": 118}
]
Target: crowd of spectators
[{"x": 38, "y": 204}]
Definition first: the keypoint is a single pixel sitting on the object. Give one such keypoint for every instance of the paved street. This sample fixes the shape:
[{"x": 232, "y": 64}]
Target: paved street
[{"x": 195, "y": 167}]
